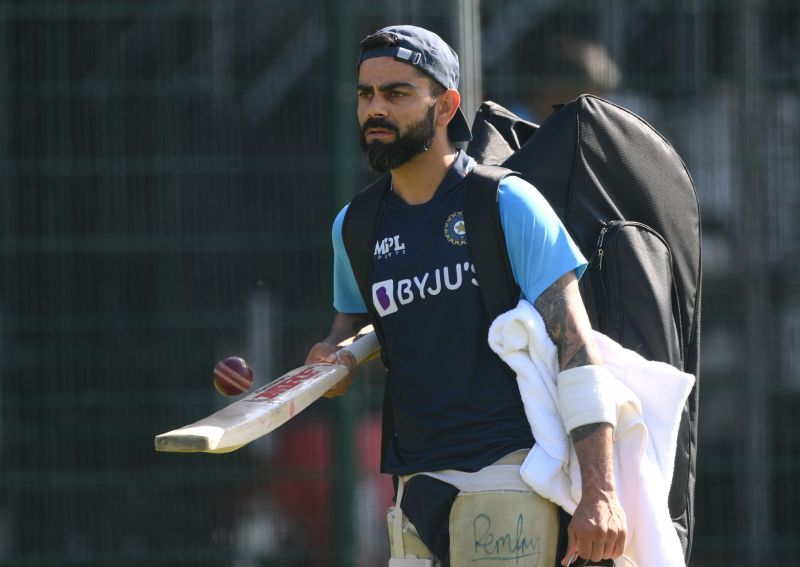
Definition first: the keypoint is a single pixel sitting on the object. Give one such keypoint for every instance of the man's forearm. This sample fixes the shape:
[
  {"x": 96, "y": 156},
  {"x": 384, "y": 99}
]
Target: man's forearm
[
  {"x": 346, "y": 325},
  {"x": 582, "y": 432},
  {"x": 593, "y": 446},
  {"x": 598, "y": 526},
  {"x": 567, "y": 324},
  {"x": 598, "y": 529}
]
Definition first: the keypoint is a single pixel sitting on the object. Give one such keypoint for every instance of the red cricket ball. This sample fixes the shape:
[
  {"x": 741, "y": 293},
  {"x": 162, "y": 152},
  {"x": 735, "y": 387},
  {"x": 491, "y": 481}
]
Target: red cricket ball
[{"x": 232, "y": 376}]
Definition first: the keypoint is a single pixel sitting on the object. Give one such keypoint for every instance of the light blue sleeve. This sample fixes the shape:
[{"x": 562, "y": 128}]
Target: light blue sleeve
[
  {"x": 539, "y": 247},
  {"x": 346, "y": 296}
]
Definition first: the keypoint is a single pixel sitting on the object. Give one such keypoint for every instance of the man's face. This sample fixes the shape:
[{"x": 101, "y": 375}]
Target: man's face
[{"x": 396, "y": 112}]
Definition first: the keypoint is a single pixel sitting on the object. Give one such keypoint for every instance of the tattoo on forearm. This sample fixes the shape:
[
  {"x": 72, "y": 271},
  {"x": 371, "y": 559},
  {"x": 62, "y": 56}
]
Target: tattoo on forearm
[
  {"x": 561, "y": 326},
  {"x": 580, "y": 433}
]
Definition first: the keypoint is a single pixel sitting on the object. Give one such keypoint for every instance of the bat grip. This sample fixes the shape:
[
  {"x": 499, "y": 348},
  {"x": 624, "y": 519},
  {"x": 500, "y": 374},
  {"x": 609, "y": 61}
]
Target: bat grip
[{"x": 364, "y": 347}]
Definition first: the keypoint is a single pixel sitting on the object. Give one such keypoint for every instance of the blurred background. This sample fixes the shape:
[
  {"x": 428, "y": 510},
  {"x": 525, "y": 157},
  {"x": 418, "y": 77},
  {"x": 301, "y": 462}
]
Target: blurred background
[{"x": 169, "y": 170}]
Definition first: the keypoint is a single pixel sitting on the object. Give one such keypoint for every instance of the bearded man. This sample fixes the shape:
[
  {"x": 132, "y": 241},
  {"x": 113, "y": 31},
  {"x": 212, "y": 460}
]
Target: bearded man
[{"x": 453, "y": 413}]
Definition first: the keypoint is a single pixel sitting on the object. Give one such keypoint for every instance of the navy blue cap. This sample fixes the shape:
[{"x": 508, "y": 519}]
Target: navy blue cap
[{"x": 430, "y": 54}]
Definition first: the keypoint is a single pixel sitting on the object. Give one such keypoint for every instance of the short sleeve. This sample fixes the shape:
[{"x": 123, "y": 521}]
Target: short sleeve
[
  {"x": 346, "y": 296},
  {"x": 539, "y": 247}
]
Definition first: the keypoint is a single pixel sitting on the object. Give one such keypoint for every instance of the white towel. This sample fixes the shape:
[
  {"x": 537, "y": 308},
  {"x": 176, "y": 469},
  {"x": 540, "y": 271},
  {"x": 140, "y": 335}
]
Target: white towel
[{"x": 649, "y": 398}]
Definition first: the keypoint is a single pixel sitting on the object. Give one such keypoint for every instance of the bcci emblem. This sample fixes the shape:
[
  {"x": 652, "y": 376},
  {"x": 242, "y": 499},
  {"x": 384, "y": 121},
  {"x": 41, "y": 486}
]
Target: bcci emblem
[{"x": 454, "y": 229}]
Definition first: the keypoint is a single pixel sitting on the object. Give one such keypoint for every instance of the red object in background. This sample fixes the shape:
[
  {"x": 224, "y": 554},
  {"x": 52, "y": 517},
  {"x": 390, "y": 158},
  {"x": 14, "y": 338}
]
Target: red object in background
[
  {"x": 302, "y": 486},
  {"x": 303, "y": 468}
]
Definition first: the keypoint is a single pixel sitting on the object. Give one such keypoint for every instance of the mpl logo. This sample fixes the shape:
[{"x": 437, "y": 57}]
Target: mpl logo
[
  {"x": 383, "y": 297},
  {"x": 388, "y": 247}
]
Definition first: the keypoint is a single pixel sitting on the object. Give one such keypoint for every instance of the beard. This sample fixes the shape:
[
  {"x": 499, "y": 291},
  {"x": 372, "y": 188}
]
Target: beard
[{"x": 417, "y": 139}]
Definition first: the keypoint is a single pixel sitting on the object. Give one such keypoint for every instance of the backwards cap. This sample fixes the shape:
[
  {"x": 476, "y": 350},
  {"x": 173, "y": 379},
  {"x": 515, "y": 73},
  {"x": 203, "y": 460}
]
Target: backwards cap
[{"x": 430, "y": 54}]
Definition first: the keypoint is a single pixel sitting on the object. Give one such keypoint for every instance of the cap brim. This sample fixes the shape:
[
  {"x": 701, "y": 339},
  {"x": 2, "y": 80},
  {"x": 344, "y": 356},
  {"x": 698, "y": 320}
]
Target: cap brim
[{"x": 458, "y": 129}]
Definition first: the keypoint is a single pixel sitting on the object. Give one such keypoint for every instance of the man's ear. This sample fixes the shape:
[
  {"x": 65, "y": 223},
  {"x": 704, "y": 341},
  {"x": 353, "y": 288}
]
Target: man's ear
[{"x": 449, "y": 101}]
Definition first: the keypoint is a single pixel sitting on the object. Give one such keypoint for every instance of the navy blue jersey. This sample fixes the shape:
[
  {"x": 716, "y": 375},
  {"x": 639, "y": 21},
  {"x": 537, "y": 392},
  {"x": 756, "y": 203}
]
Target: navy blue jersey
[{"x": 454, "y": 404}]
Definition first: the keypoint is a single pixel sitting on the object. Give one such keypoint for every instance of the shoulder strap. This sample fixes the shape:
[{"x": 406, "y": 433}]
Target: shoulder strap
[
  {"x": 360, "y": 227},
  {"x": 360, "y": 230},
  {"x": 486, "y": 240}
]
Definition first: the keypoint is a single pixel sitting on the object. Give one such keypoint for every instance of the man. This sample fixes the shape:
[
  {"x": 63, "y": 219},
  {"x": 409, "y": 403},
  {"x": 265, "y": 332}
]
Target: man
[{"x": 453, "y": 405}]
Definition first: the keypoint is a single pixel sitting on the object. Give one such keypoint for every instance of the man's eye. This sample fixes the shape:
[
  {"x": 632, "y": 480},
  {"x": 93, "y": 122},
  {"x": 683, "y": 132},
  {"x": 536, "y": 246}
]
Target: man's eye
[
  {"x": 364, "y": 94},
  {"x": 397, "y": 94}
]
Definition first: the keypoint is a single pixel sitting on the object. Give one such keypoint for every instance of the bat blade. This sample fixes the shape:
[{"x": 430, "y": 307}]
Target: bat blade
[
  {"x": 258, "y": 414},
  {"x": 264, "y": 410}
]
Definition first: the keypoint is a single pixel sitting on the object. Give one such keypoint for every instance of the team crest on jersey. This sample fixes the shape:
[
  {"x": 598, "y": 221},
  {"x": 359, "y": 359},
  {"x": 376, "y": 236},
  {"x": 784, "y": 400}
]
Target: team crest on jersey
[{"x": 455, "y": 230}]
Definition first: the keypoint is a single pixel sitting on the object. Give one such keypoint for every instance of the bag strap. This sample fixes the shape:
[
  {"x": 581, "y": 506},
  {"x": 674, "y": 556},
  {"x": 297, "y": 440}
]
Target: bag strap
[
  {"x": 486, "y": 240},
  {"x": 360, "y": 227}
]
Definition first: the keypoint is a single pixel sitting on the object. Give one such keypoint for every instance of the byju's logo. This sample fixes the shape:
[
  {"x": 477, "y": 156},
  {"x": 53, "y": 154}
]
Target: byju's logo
[
  {"x": 388, "y": 247},
  {"x": 388, "y": 296},
  {"x": 383, "y": 297}
]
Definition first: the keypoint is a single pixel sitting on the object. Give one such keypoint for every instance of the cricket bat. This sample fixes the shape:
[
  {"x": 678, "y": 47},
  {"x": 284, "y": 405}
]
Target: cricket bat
[{"x": 265, "y": 409}]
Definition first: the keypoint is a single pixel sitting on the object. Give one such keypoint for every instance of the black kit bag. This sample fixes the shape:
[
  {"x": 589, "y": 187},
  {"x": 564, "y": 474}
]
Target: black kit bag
[{"x": 629, "y": 203}]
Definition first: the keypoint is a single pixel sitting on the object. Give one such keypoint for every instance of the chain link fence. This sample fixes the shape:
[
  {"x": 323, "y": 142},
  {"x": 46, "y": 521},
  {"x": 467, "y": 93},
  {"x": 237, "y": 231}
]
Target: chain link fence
[{"x": 169, "y": 171}]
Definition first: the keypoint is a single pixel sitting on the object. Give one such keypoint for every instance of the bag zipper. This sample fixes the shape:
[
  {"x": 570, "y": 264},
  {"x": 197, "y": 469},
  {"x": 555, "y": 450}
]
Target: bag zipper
[
  {"x": 618, "y": 224},
  {"x": 600, "y": 251}
]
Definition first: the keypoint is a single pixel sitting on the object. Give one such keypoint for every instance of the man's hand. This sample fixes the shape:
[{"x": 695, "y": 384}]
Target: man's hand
[
  {"x": 345, "y": 326},
  {"x": 323, "y": 352},
  {"x": 598, "y": 529}
]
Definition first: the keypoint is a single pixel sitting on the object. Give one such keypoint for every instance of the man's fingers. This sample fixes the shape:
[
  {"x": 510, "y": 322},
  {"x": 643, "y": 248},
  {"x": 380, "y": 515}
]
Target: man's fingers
[
  {"x": 619, "y": 545},
  {"x": 572, "y": 548},
  {"x": 589, "y": 544},
  {"x": 615, "y": 551},
  {"x": 582, "y": 540},
  {"x": 348, "y": 360},
  {"x": 598, "y": 553},
  {"x": 321, "y": 352},
  {"x": 606, "y": 548},
  {"x": 341, "y": 388},
  {"x": 609, "y": 547},
  {"x": 587, "y": 549},
  {"x": 579, "y": 545}
]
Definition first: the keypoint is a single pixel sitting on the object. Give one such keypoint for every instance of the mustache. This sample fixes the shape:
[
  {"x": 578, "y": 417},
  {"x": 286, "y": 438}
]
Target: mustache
[{"x": 378, "y": 123}]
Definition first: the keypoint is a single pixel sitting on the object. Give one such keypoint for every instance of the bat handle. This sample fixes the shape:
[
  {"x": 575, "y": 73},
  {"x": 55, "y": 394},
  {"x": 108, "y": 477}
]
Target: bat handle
[{"x": 364, "y": 348}]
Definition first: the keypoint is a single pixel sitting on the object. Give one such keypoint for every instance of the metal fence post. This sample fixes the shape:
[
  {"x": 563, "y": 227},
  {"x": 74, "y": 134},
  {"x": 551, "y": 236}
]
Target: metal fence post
[
  {"x": 468, "y": 46},
  {"x": 753, "y": 218},
  {"x": 341, "y": 184}
]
